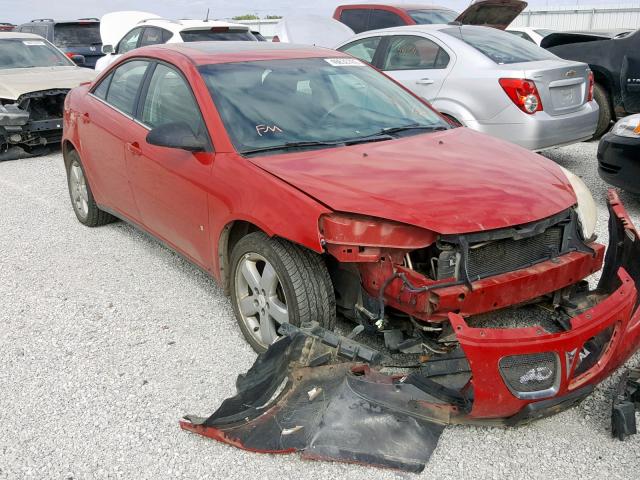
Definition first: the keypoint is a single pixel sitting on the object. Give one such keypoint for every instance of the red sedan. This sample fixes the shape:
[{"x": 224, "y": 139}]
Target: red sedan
[{"x": 308, "y": 185}]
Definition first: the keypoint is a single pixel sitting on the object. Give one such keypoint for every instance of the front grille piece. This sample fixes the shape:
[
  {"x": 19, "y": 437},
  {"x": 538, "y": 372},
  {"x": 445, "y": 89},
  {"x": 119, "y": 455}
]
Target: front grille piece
[{"x": 531, "y": 376}]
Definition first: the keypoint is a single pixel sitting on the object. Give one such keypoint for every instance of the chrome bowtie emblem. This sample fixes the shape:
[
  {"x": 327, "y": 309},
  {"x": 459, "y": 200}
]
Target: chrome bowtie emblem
[{"x": 570, "y": 73}]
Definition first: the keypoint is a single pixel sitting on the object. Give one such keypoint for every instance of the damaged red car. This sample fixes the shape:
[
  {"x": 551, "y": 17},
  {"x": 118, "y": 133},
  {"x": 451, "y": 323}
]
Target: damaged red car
[{"x": 312, "y": 186}]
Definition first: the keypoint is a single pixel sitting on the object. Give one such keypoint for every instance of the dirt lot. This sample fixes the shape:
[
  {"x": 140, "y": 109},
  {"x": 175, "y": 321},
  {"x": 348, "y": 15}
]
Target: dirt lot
[{"x": 108, "y": 338}]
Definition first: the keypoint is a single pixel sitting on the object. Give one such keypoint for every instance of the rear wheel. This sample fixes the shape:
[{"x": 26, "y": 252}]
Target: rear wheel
[
  {"x": 274, "y": 281},
  {"x": 605, "y": 116},
  {"x": 82, "y": 200}
]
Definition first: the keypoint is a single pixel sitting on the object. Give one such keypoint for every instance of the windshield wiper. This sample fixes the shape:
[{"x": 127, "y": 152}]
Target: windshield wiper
[
  {"x": 292, "y": 146},
  {"x": 412, "y": 126}
]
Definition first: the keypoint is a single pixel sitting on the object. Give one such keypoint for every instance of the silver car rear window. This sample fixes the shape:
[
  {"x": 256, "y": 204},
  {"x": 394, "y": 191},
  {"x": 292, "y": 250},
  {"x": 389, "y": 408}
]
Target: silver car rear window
[{"x": 501, "y": 47}]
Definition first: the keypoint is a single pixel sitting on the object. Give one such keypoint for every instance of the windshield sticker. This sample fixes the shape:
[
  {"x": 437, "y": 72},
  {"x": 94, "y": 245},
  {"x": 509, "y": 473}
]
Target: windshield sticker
[
  {"x": 30, "y": 43},
  {"x": 262, "y": 129},
  {"x": 344, "y": 62}
]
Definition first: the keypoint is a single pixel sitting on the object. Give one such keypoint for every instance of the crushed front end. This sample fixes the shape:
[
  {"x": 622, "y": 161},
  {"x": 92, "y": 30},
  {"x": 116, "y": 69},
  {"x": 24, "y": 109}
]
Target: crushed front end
[
  {"x": 32, "y": 121},
  {"x": 332, "y": 398}
]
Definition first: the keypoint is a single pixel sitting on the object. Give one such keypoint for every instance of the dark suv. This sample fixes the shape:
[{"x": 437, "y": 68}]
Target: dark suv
[{"x": 74, "y": 37}]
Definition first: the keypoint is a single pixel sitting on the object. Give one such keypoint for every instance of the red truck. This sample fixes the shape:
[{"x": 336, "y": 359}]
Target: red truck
[{"x": 364, "y": 17}]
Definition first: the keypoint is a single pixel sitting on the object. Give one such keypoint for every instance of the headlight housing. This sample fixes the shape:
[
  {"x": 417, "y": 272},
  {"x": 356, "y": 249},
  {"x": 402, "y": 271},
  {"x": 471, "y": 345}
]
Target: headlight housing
[
  {"x": 627, "y": 127},
  {"x": 363, "y": 231},
  {"x": 587, "y": 208}
]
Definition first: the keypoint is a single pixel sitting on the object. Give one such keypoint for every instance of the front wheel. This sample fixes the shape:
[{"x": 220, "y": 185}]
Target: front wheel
[
  {"x": 274, "y": 281},
  {"x": 605, "y": 114}
]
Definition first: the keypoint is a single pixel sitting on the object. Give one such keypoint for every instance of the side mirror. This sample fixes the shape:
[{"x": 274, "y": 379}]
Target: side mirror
[
  {"x": 177, "y": 135},
  {"x": 107, "y": 49},
  {"x": 78, "y": 60}
]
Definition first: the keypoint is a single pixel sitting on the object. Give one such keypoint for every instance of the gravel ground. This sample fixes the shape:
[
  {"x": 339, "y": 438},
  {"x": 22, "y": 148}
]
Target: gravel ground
[{"x": 108, "y": 338}]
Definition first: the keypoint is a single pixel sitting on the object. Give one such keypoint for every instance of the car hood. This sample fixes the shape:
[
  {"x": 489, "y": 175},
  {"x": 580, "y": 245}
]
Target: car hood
[
  {"x": 450, "y": 182},
  {"x": 18, "y": 81},
  {"x": 492, "y": 13},
  {"x": 115, "y": 25}
]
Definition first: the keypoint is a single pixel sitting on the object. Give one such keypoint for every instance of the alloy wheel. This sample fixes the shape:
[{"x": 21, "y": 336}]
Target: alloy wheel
[{"x": 260, "y": 298}]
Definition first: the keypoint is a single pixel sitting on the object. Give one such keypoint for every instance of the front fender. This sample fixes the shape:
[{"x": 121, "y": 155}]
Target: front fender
[{"x": 245, "y": 192}]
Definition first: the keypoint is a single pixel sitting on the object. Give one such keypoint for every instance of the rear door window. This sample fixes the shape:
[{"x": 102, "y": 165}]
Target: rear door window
[
  {"x": 76, "y": 34},
  {"x": 384, "y": 19},
  {"x": 364, "y": 49},
  {"x": 501, "y": 47},
  {"x": 129, "y": 41},
  {"x": 355, "y": 18},
  {"x": 125, "y": 84},
  {"x": 408, "y": 52}
]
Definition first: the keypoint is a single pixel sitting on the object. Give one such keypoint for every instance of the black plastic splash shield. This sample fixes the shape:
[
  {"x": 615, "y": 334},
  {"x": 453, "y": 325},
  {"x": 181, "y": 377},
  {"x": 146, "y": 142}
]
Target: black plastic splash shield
[{"x": 338, "y": 410}]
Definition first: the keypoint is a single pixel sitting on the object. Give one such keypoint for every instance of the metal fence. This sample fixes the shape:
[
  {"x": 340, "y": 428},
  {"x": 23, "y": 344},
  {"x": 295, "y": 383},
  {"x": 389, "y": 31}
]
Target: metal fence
[{"x": 581, "y": 17}]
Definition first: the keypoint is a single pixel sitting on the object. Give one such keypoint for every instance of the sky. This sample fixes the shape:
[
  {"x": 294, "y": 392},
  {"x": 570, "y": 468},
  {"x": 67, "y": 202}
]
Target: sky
[{"x": 18, "y": 11}]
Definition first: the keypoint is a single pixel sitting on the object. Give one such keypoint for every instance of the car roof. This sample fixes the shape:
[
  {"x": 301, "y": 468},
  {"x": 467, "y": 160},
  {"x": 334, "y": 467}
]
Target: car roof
[
  {"x": 179, "y": 25},
  {"x": 51, "y": 20},
  {"x": 399, "y": 6},
  {"x": 14, "y": 34},
  {"x": 204, "y": 53},
  {"x": 407, "y": 28}
]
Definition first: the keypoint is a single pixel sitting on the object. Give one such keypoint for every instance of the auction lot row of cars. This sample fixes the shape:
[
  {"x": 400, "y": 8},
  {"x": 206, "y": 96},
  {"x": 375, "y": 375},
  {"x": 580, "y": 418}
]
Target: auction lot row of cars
[{"x": 310, "y": 184}]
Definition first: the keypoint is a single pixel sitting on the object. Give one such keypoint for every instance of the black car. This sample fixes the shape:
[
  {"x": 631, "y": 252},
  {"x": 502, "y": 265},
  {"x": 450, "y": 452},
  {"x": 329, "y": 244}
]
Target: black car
[
  {"x": 614, "y": 59},
  {"x": 619, "y": 155},
  {"x": 75, "y": 37}
]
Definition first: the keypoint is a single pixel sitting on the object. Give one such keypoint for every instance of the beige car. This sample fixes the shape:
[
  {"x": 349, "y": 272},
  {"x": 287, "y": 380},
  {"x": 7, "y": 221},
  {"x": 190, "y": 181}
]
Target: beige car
[{"x": 34, "y": 80}]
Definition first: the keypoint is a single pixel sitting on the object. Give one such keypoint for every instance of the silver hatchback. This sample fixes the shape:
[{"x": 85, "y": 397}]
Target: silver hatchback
[{"x": 488, "y": 80}]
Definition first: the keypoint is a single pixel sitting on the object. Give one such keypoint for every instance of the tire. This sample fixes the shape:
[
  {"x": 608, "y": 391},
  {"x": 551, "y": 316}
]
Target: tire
[
  {"x": 82, "y": 201},
  {"x": 303, "y": 287},
  {"x": 605, "y": 116}
]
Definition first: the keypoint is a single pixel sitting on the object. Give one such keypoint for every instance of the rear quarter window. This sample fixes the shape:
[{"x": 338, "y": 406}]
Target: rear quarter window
[{"x": 501, "y": 47}]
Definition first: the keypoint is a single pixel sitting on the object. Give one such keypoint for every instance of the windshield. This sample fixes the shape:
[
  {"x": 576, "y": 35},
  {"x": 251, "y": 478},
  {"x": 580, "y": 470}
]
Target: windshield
[
  {"x": 501, "y": 47},
  {"x": 211, "y": 34},
  {"x": 272, "y": 103},
  {"x": 432, "y": 17},
  {"x": 76, "y": 34},
  {"x": 29, "y": 52}
]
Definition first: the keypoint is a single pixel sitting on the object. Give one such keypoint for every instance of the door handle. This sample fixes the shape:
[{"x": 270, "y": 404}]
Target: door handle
[
  {"x": 424, "y": 81},
  {"x": 133, "y": 148}
]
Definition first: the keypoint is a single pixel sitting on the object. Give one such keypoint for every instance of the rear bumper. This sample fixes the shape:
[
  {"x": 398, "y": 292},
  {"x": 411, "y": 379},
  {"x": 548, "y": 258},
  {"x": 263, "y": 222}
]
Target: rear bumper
[
  {"x": 619, "y": 162},
  {"x": 541, "y": 130}
]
